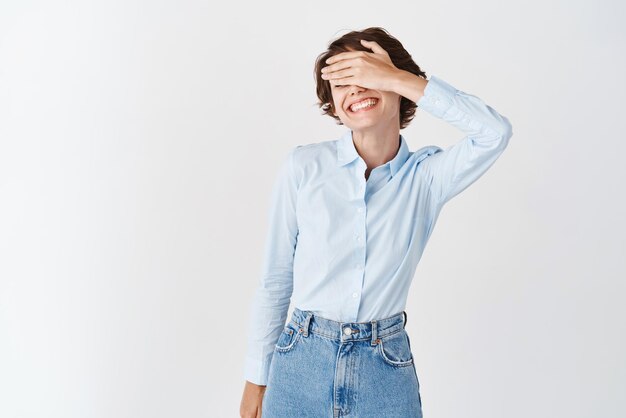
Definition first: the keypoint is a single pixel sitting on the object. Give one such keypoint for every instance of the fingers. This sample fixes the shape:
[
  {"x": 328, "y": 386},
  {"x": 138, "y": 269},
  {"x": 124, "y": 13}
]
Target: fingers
[
  {"x": 342, "y": 81},
  {"x": 347, "y": 81},
  {"x": 373, "y": 45},
  {"x": 336, "y": 66},
  {"x": 337, "y": 74},
  {"x": 345, "y": 55}
]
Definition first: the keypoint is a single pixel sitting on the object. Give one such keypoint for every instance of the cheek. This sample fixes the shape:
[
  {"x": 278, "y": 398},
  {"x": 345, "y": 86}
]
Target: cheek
[{"x": 337, "y": 104}]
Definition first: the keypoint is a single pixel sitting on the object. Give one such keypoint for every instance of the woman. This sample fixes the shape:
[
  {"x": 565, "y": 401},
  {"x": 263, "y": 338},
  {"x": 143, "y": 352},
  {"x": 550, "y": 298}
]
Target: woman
[{"x": 349, "y": 221}]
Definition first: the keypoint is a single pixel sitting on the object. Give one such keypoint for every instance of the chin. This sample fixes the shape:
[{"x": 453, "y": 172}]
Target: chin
[
  {"x": 363, "y": 123},
  {"x": 361, "y": 126}
]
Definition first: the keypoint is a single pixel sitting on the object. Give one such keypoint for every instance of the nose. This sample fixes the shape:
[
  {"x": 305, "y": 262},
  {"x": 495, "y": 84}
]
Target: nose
[{"x": 354, "y": 89}]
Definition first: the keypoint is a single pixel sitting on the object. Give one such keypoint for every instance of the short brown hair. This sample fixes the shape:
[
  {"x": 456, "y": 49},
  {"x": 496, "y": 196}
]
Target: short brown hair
[{"x": 399, "y": 56}]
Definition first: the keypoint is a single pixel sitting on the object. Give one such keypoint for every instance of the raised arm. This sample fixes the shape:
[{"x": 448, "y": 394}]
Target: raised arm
[{"x": 487, "y": 134}]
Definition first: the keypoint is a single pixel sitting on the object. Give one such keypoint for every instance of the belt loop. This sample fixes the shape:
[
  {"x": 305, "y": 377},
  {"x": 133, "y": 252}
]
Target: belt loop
[
  {"x": 405, "y": 318},
  {"x": 374, "y": 332},
  {"x": 305, "y": 324}
]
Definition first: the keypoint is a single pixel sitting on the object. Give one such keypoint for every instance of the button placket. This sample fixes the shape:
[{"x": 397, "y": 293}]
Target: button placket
[{"x": 359, "y": 250}]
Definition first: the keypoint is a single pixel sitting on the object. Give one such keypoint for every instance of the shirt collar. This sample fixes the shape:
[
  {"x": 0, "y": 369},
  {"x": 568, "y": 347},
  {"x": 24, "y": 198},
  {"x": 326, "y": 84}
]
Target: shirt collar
[{"x": 346, "y": 152}]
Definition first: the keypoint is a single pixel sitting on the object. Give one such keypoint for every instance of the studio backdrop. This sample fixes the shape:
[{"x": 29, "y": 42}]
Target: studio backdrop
[{"x": 139, "y": 141}]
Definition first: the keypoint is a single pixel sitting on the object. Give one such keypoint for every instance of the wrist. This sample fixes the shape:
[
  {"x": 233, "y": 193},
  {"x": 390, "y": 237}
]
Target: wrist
[
  {"x": 255, "y": 386},
  {"x": 409, "y": 85}
]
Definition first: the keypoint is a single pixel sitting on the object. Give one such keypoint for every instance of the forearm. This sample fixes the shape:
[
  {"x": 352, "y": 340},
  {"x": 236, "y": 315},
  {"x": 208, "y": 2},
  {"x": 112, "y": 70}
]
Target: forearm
[
  {"x": 464, "y": 111},
  {"x": 409, "y": 85},
  {"x": 275, "y": 286},
  {"x": 486, "y": 135}
]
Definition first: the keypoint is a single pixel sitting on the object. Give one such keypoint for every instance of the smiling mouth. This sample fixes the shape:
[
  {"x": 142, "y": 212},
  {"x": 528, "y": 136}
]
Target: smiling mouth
[{"x": 363, "y": 105}]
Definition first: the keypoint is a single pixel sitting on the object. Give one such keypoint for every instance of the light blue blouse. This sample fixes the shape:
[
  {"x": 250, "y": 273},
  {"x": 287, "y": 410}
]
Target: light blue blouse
[{"x": 347, "y": 248}]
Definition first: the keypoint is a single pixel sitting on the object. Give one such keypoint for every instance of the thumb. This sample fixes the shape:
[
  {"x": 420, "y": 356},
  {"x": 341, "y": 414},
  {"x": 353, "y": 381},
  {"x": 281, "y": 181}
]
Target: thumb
[{"x": 373, "y": 46}]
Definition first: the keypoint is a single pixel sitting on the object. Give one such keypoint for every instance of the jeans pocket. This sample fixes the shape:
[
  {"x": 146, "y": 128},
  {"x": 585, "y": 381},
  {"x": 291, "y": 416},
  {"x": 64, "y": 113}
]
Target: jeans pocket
[
  {"x": 288, "y": 338},
  {"x": 395, "y": 349}
]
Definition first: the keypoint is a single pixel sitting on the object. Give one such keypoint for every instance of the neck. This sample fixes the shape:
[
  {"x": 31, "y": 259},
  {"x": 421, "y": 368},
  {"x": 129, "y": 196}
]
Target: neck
[{"x": 377, "y": 145}]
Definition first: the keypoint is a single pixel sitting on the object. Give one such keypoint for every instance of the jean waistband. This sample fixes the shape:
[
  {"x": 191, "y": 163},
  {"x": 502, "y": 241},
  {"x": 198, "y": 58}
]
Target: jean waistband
[{"x": 348, "y": 331}]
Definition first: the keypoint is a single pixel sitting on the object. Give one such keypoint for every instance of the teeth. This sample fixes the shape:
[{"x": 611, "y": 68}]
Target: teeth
[{"x": 363, "y": 104}]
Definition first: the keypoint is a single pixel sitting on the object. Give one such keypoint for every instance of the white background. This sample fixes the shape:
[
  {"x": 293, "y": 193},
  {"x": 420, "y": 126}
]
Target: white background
[{"x": 138, "y": 144}]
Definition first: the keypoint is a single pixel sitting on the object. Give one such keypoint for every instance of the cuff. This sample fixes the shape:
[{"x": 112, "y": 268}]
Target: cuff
[
  {"x": 438, "y": 97},
  {"x": 256, "y": 371}
]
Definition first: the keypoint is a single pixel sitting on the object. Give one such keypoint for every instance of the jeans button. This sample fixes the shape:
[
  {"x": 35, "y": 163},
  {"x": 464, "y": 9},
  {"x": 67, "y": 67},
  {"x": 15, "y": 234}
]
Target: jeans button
[{"x": 347, "y": 331}]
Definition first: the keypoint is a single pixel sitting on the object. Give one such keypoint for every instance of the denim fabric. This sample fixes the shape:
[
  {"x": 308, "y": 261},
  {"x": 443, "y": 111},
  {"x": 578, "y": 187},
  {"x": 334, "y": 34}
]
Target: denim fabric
[{"x": 324, "y": 368}]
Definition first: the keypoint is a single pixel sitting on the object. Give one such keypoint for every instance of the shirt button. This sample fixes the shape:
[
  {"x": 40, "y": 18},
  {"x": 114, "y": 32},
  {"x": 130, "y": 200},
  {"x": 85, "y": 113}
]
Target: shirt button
[
  {"x": 359, "y": 266},
  {"x": 360, "y": 209},
  {"x": 347, "y": 331},
  {"x": 355, "y": 294}
]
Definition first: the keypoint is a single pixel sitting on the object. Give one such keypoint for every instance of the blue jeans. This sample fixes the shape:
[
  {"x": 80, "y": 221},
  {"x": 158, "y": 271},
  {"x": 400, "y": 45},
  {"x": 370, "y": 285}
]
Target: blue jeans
[{"x": 324, "y": 368}]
